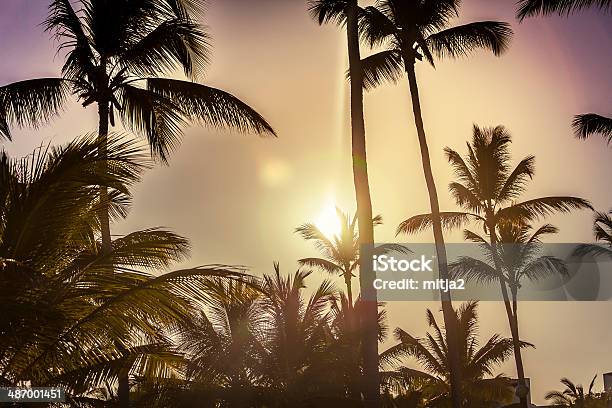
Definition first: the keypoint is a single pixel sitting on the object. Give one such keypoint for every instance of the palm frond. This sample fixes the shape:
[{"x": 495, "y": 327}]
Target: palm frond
[
  {"x": 530, "y": 8},
  {"x": 450, "y": 220},
  {"x": 541, "y": 207},
  {"x": 384, "y": 66},
  {"x": 210, "y": 106},
  {"x": 375, "y": 26},
  {"x": 154, "y": 116},
  {"x": 32, "y": 102},
  {"x": 328, "y": 11},
  {"x": 462, "y": 40},
  {"x": 590, "y": 123},
  {"x": 472, "y": 269},
  {"x": 173, "y": 43}
]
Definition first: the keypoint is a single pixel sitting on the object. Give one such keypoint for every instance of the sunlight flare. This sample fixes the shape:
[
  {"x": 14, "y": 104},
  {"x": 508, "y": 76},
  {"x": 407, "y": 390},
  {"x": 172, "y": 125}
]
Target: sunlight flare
[{"x": 328, "y": 221}]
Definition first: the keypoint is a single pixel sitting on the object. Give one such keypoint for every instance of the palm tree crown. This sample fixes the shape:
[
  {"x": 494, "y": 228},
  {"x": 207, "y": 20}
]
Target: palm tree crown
[
  {"x": 114, "y": 52},
  {"x": 412, "y": 31},
  {"x": 479, "y": 382},
  {"x": 488, "y": 187}
]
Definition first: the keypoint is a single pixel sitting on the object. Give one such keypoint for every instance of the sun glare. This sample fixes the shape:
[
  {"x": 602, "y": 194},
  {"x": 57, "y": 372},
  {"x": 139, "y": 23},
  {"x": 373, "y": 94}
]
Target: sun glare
[{"x": 328, "y": 221}]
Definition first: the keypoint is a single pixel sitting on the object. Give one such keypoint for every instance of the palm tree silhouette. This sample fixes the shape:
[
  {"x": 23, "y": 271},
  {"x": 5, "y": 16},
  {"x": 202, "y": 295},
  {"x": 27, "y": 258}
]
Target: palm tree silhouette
[
  {"x": 115, "y": 52},
  {"x": 602, "y": 228},
  {"x": 66, "y": 321},
  {"x": 589, "y": 124},
  {"x": 347, "y": 12},
  {"x": 341, "y": 252},
  {"x": 223, "y": 345},
  {"x": 487, "y": 189},
  {"x": 412, "y": 31},
  {"x": 575, "y": 396},
  {"x": 479, "y": 385},
  {"x": 530, "y": 8}
]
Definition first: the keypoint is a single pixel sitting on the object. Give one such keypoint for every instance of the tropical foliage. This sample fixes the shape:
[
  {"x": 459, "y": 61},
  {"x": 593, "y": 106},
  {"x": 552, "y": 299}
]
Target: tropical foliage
[
  {"x": 430, "y": 386},
  {"x": 575, "y": 396},
  {"x": 67, "y": 321}
]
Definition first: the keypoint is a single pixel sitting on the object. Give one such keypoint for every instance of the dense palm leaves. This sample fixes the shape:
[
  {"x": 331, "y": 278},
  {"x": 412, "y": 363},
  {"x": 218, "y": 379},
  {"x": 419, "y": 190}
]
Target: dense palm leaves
[
  {"x": 480, "y": 385},
  {"x": 66, "y": 320},
  {"x": 518, "y": 251},
  {"x": 412, "y": 31},
  {"x": 114, "y": 49}
]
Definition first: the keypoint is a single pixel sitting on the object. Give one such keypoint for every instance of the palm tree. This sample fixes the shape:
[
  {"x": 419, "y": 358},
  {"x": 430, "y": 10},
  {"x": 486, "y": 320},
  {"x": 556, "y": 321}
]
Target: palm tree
[
  {"x": 412, "y": 31},
  {"x": 479, "y": 384},
  {"x": 574, "y": 396},
  {"x": 66, "y": 321},
  {"x": 115, "y": 51},
  {"x": 530, "y": 8},
  {"x": 347, "y": 12},
  {"x": 487, "y": 189},
  {"x": 341, "y": 252},
  {"x": 223, "y": 345},
  {"x": 294, "y": 356},
  {"x": 602, "y": 228}
]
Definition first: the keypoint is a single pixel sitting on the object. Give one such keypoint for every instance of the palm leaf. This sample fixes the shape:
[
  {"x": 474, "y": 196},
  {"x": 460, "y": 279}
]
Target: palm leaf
[
  {"x": 210, "y": 106},
  {"x": 385, "y": 66},
  {"x": 530, "y": 8},
  {"x": 462, "y": 40},
  {"x": 32, "y": 102},
  {"x": 590, "y": 123}
]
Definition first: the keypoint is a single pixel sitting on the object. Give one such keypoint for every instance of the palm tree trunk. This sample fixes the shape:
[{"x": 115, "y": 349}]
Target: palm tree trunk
[
  {"x": 103, "y": 111},
  {"x": 447, "y": 306},
  {"x": 371, "y": 388},
  {"x": 511, "y": 314},
  {"x": 349, "y": 291}
]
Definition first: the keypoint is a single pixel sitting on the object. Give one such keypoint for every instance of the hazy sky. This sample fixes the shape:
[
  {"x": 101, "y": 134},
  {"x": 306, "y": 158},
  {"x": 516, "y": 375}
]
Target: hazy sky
[{"x": 239, "y": 197}]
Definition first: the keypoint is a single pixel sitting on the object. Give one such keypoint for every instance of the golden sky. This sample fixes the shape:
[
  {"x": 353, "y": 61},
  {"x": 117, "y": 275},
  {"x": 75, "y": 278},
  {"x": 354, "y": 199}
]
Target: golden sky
[{"x": 238, "y": 198}]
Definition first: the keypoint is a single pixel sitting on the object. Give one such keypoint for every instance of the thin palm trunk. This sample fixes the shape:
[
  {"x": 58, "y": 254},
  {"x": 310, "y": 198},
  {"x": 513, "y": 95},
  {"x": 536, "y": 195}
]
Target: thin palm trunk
[
  {"x": 447, "y": 306},
  {"x": 103, "y": 111},
  {"x": 123, "y": 389},
  {"x": 512, "y": 317},
  {"x": 369, "y": 319},
  {"x": 349, "y": 291}
]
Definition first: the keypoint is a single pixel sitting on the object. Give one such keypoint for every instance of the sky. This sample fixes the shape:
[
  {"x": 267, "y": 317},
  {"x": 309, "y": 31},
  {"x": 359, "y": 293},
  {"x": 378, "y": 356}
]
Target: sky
[{"x": 238, "y": 198}]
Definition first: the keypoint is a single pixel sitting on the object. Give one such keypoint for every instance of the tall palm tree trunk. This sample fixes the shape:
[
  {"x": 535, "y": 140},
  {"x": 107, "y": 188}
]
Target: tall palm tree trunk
[
  {"x": 447, "y": 306},
  {"x": 123, "y": 389},
  {"x": 103, "y": 112},
  {"x": 511, "y": 314},
  {"x": 369, "y": 319}
]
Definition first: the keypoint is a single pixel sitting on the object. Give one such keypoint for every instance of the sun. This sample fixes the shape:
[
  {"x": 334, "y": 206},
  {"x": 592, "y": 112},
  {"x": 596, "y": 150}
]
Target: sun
[{"x": 327, "y": 221}]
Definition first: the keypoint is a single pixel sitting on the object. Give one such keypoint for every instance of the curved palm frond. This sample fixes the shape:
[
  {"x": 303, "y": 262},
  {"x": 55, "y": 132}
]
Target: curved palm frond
[
  {"x": 32, "y": 102},
  {"x": 590, "y": 123},
  {"x": 530, "y": 8},
  {"x": 328, "y": 11},
  {"x": 210, "y": 106},
  {"x": 450, "y": 220},
  {"x": 384, "y": 66},
  {"x": 460, "y": 41}
]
